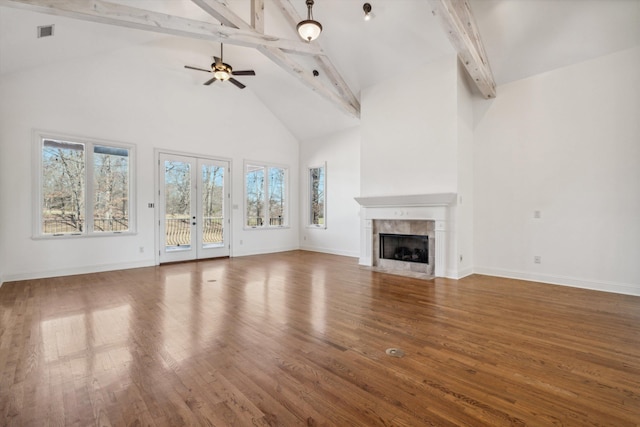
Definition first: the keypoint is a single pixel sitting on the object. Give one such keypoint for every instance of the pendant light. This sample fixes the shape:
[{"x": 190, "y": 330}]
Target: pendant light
[
  {"x": 309, "y": 29},
  {"x": 367, "y": 11}
]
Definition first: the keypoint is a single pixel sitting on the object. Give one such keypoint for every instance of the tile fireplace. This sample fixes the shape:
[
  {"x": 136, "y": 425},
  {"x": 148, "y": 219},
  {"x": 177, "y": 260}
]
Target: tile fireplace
[{"x": 424, "y": 216}]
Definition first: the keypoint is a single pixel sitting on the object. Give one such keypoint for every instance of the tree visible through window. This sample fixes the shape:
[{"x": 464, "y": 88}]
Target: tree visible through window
[
  {"x": 276, "y": 196},
  {"x": 63, "y": 187},
  {"x": 265, "y": 195},
  {"x": 77, "y": 198},
  {"x": 111, "y": 188},
  {"x": 213, "y": 204},
  {"x": 317, "y": 205}
]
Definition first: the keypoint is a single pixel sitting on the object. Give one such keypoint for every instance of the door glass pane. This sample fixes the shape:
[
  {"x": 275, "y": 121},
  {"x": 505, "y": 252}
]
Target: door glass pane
[
  {"x": 177, "y": 181},
  {"x": 276, "y": 196},
  {"x": 63, "y": 187},
  {"x": 212, "y": 206},
  {"x": 111, "y": 188}
]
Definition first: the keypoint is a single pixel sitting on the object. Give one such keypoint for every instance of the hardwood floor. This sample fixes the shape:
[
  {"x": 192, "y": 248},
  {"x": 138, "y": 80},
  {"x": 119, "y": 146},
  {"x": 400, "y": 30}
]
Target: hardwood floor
[{"x": 299, "y": 338}]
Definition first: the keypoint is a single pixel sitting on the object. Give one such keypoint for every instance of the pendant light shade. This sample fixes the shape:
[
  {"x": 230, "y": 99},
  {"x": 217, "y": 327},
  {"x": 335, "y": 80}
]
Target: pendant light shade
[
  {"x": 367, "y": 11},
  {"x": 309, "y": 29}
]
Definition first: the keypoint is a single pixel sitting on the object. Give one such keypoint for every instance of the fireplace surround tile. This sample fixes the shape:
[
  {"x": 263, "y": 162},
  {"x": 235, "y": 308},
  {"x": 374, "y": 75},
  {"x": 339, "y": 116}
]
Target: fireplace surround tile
[
  {"x": 414, "y": 227},
  {"x": 427, "y": 210}
]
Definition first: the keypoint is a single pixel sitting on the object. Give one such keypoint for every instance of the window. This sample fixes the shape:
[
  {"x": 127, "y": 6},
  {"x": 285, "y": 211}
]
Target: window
[
  {"x": 317, "y": 196},
  {"x": 84, "y": 187},
  {"x": 265, "y": 195}
]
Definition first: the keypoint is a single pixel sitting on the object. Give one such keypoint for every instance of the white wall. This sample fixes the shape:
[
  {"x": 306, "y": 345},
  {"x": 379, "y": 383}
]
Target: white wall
[
  {"x": 3, "y": 216},
  {"x": 566, "y": 143},
  {"x": 341, "y": 152},
  {"x": 409, "y": 133},
  {"x": 410, "y": 130},
  {"x": 130, "y": 96},
  {"x": 462, "y": 252}
]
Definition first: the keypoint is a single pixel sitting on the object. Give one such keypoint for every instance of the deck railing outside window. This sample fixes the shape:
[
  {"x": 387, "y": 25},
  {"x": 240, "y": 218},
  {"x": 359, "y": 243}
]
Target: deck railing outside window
[
  {"x": 259, "y": 221},
  {"x": 178, "y": 231},
  {"x": 57, "y": 226}
]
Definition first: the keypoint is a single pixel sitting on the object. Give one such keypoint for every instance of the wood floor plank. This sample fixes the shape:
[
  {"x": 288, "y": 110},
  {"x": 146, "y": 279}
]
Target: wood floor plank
[{"x": 299, "y": 338}]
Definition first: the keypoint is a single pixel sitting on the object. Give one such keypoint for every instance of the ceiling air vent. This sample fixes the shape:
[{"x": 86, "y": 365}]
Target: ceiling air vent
[{"x": 45, "y": 31}]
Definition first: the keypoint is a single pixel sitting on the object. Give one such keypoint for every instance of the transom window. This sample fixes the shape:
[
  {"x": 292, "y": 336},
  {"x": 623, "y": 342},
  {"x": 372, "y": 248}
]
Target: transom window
[
  {"x": 266, "y": 199},
  {"x": 84, "y": 187}
]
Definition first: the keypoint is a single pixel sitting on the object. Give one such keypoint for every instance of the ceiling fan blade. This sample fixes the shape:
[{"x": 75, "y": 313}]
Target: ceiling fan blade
[
  {"x": 237, "y": 83},
  {"x": 208, "y": 82},
  {"x": 196, "y": 68},
  {"x": 244, "y": 73}
]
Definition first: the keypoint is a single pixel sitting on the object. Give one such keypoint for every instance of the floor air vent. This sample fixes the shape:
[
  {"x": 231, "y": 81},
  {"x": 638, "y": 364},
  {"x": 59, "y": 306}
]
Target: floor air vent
[{"x": 394, "y": 352}]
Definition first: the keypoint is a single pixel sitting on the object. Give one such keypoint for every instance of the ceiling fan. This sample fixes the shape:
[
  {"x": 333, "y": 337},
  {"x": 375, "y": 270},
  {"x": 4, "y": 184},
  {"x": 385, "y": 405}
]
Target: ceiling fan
[{"x": 222, "y": 71}]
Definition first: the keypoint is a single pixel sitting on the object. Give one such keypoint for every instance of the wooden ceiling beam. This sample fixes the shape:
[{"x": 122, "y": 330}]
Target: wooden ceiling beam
[
  {"x": 457, "y": 20},
  {"x": 130, "y": 17},
  {"x": 222, "y": 13},
  {"x": 293, "y": 68},
  {"x": 339, "y": 94},
  {"x": 323, "y": 61},
  {"x": 257, "y": 15},
  {"x": 235, "y": 31}
]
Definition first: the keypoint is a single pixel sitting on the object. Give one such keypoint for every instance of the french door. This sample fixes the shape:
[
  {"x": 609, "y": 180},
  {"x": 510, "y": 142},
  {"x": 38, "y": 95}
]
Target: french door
[{"x": 194, "y": 208}]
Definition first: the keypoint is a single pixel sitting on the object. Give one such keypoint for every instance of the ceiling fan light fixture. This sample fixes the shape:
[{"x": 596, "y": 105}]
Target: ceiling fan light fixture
[
  {"x": 221, "y": 75},
  {"x": 309, "y": 29},
  {"x": 221, "y": 71}
]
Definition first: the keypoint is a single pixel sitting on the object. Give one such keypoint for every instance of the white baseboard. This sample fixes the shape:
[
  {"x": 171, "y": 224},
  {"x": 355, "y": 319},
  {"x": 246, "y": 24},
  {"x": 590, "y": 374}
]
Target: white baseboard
[
  {"x": 452, "y": 273},
  {"x": 618, "y": 288},
  {"x": 244, "y": 252},
  {"x": 351, "y": 254},
  {"x": 78, "y": 270},
  {"x": 465, "y": 272}
]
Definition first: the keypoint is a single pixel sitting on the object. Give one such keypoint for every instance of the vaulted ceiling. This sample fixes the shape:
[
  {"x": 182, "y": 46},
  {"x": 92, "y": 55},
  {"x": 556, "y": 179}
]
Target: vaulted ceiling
[{"x": 521, "y": 38}]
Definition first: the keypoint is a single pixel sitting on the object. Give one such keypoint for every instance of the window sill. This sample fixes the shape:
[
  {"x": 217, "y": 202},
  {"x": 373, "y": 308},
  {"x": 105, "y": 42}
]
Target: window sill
[
  {"x": 83, "y": 235},
  {"x": 273, "y": 227}
]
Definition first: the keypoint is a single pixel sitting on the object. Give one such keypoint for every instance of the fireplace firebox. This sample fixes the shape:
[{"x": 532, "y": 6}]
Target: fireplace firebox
[{"x": 404, "y": 247}]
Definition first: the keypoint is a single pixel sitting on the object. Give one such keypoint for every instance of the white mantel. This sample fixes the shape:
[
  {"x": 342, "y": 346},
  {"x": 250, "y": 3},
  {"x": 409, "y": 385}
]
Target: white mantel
[
  {"x": 433, "y": 207},
  {"x": 412, "y": 200}
]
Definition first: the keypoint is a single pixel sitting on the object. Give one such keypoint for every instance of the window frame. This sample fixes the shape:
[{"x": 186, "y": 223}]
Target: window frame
[
  {"x": 309, "y": 198},
  {"x": 39, "y": 136},
  {"x": 286, "y": 217}
]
